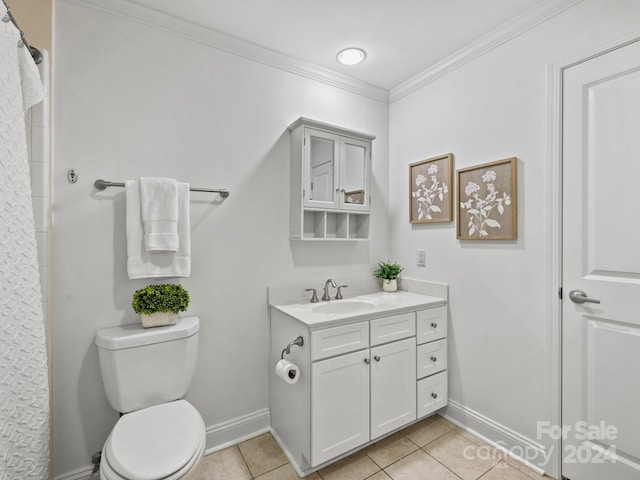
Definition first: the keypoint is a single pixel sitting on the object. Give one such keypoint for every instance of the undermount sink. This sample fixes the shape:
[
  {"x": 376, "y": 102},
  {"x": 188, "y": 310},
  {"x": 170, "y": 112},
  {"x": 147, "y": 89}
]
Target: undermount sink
[{"x": 343, "y": 306}]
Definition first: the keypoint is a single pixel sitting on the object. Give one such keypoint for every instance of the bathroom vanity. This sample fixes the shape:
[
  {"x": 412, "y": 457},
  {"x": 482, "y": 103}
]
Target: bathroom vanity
[{"x": 369, "y": 365}]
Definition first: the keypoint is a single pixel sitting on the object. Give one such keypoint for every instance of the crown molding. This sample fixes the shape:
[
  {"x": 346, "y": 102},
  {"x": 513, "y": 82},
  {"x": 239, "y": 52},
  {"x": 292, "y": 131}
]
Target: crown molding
[
  {"x": 215, "y": 39},
  {"x": 513, "y": 28},
  {"x": 155, "y": 19}
]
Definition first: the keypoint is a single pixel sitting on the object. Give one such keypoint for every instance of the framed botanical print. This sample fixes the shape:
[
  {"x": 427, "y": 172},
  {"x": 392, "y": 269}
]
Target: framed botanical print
[
  {"x": 430, "y": 196},
  {"x": 486, "y": 201}
]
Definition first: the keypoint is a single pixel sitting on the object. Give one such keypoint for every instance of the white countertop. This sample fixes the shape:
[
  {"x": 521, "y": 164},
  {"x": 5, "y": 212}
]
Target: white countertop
[{"x": 383, "y": 303}]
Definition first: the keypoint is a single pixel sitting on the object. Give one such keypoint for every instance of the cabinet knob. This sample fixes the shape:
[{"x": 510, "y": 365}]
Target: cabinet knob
[
  {"x": 434, "y": 395},
  {"x": 434, "y": 325},
  {"x": 367, "y": 361},
  {"x": 376, "y": 358},
  {"x": 434, "y": 359}
]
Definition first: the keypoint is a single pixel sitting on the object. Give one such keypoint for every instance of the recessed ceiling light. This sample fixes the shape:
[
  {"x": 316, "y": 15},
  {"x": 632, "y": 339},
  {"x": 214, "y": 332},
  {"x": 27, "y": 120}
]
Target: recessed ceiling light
[{"x": 351, "y": 56}]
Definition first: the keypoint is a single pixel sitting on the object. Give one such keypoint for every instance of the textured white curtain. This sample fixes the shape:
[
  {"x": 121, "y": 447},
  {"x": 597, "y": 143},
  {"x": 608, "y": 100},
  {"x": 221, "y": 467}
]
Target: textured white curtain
[{"x": 24, "y": 387}]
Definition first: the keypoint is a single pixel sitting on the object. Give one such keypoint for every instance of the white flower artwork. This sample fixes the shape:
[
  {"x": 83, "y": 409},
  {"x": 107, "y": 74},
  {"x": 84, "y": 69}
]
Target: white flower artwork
[
  {"x": 430, "y": 200},
  {"x": 487, "y": 207}
]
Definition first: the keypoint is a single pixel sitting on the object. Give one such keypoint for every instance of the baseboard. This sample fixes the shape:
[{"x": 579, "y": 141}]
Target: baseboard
[
  {"x": 510, "y": 442},
  {"x": 83, "y": 473},
  {"x": 237, "y": 430}
]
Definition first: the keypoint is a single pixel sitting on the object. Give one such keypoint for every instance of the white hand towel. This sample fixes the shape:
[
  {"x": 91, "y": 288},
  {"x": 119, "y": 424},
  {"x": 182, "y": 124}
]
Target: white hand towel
[
  {"x": 159, "y": 206},
  {"x": 144, "y": 264}
]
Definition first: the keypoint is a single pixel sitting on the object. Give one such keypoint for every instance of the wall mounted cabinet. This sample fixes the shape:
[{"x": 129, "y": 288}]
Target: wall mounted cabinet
[{"x": 330, "y": 182}]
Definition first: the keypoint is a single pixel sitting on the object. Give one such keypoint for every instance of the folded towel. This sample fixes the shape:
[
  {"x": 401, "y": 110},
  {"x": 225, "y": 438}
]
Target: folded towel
[
  {"x": 144, "y": 264},
  {"x": 159, "y": 207}
]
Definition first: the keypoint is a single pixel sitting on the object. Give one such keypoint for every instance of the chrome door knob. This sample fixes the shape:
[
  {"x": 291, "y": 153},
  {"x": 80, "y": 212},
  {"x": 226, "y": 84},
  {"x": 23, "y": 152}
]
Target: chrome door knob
[
  {"x": 434, "y": 359},
  {"x": 434, "y": 395},
  {"x": 376, "y": 358},
  {"x": 434, "y": 325},
  {"x": 579, "y": 296}
]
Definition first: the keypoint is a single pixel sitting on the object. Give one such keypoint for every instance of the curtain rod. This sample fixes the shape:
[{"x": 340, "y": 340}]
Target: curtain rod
[
  {"x": 102, "y": 184},
  {"x": 35, "y": 53}
]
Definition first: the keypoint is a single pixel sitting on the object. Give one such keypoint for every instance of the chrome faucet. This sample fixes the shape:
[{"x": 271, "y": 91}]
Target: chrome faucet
[{"x": 325, "y": 295}]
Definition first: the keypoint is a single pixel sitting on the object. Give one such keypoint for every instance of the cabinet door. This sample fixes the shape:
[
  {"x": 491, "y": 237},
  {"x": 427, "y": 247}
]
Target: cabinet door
[
  {"x": 355, "y": 166},
  {"x": 339, "y": 405},
  {"x": 321, "y": 156},
  {"x": 393, "y": 386}
]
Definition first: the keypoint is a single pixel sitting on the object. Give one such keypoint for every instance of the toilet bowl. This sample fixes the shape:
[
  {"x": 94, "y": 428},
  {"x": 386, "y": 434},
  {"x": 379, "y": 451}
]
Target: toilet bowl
[{"x": 163, "y": 442}]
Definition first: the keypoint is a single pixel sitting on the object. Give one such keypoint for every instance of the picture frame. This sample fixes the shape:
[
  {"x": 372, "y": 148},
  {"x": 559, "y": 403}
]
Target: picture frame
[
  {"x": 430, "y": 190},
  {"x": 486, "y": 201}
]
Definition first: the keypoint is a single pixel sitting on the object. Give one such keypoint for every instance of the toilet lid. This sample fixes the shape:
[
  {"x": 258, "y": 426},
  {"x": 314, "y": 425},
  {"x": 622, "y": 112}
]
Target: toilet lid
[{"x": 155, "y": 442}]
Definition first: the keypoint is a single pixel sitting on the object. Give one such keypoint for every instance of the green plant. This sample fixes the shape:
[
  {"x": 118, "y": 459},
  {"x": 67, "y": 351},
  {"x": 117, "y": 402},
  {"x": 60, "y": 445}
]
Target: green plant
[
  {"x": 387, "y": 270},
  {"x": 166, "y": 297}
]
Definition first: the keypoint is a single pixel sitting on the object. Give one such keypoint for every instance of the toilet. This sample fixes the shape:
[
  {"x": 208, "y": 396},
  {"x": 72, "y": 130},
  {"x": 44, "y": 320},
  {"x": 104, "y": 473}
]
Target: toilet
[{"x": 145, "y": 373}]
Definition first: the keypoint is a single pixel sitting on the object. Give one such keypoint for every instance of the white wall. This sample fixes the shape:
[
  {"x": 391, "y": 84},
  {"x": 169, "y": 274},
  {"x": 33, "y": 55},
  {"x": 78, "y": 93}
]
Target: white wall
[
  {"x": 500, "y": 291},
  {"x": 132, "y": 101}
]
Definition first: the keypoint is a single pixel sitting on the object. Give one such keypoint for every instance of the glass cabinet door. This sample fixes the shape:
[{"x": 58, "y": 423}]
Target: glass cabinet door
[
  {"x": 321, "y": 175},
  {"x": 354, "y": 175}
]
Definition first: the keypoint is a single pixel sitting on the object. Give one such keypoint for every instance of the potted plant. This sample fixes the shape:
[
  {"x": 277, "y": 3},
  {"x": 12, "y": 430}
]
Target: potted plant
[
  {"x": 160, "y": 304},
  {"x": 389, "y": 272}
]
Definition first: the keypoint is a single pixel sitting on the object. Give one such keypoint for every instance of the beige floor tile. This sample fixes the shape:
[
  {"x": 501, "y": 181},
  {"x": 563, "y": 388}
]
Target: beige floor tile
[
  {"x": 227, "y": 464},
  {"x": 465, "y": 458},
  {"x": 504, "y": 471},
  {"x": 390, "y": 449},
  {"x": 354, "y": 467},
  {"x": 419, "y": 465},
  {"x": 286, "y": 472},
  {"x": 378, "y": 476},
  {"x": 428, "y": 430},
  {"x": 262, "y": 454}
]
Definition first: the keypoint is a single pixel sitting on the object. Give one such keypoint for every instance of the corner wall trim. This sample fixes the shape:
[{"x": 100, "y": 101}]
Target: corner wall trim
[
  {"x": 236, "y": 430},
  {"x": 206, "y": 36},
  {"x": 486, "y": 43},
  {"x": 523, "y": 449}
]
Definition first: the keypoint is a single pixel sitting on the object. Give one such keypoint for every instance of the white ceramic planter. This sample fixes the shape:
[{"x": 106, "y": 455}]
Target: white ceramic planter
[
  {"x": 390, "y": 285},
  {"x": 158, "y": 319}
]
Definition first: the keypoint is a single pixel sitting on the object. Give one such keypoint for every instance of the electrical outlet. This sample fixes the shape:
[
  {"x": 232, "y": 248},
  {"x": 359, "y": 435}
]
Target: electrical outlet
[{"x": 421, "y": 260}]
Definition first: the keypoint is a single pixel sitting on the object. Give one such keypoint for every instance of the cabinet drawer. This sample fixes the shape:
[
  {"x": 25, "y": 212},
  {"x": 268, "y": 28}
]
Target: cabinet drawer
[
  {"x": 431, "y": 324},
  {"x": 432, "y": 393},
  {"x": 389, "y": 329},
  {"x": 432, "y": 358},
  {"x": 338, "y": 340}
]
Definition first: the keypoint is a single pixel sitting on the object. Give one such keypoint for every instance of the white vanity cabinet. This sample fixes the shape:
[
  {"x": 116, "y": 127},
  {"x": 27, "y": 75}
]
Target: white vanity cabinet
[
  {"x": 330, "y": 182},
  {"x": 432, "y": 360},
  {"x": 359, "y": 381}
]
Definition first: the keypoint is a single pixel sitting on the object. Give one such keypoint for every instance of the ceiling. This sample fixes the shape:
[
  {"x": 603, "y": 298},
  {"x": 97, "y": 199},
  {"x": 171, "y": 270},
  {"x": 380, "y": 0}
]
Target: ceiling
[{"x": 401, "y": 37}]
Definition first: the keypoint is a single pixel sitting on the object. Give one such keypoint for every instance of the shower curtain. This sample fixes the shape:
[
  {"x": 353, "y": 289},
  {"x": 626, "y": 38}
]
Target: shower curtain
[{"x": 24, "y": 386}]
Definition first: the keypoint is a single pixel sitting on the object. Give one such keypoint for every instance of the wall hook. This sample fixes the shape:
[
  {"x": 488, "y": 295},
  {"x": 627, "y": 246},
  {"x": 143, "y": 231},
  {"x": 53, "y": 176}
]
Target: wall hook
[{"x": 72, "y": 175}]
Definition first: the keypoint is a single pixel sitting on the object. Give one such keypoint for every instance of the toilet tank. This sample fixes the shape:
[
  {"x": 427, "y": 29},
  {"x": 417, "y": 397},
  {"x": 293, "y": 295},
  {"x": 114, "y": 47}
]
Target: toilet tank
[{"x": 142, "y": 367}]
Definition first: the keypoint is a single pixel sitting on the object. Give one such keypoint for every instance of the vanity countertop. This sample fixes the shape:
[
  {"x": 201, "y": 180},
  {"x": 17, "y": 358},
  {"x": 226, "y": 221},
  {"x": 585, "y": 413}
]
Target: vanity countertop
[{"x": 361, "y": 307}]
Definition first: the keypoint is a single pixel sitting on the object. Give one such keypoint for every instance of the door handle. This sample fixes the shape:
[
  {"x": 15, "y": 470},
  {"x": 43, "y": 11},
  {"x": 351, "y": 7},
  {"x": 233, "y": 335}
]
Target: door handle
[{"x": 579, "y": 296}]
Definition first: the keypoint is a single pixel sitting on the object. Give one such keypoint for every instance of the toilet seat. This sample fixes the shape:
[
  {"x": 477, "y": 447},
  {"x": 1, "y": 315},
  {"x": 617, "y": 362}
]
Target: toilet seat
[{"x": 162, "y": 442}]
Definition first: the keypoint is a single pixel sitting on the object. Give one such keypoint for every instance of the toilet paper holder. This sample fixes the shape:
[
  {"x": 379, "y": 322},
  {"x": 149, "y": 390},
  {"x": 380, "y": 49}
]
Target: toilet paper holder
[{"x": 298, "y": 341}]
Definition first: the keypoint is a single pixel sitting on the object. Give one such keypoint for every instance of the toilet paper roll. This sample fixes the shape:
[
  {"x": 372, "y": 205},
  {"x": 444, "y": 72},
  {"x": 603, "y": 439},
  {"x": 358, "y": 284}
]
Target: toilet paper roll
[{"x": 287, "y": 371}]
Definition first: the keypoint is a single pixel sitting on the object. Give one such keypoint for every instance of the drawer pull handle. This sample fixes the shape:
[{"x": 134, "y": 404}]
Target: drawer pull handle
[
  {"x": 376, "y": 358},
  {"x": 434, "y": 395},
  {"x": 434, "y": 325},
  {"x": 367, "y": 361},
  {"x": 434, "y": 359}
]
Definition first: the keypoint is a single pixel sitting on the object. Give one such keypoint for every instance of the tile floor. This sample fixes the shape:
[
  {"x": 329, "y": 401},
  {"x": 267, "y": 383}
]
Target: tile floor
[{"x": 432, "y": 449}]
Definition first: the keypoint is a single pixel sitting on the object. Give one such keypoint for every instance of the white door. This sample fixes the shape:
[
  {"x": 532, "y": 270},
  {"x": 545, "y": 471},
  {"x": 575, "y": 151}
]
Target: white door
[
  {"x": 601, "y": 263},
  {"x": 393, "y": 386},
  {"x": 339, "y": 405}
]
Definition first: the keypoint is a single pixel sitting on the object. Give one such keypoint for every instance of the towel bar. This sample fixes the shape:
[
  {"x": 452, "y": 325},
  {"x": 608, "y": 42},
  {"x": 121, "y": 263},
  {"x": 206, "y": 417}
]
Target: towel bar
[{"x": 102, "y": 184}]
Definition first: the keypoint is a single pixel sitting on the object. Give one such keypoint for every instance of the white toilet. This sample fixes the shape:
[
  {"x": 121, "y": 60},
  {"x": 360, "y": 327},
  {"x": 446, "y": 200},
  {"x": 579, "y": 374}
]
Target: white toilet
[{"x": 145, "y": 373}]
